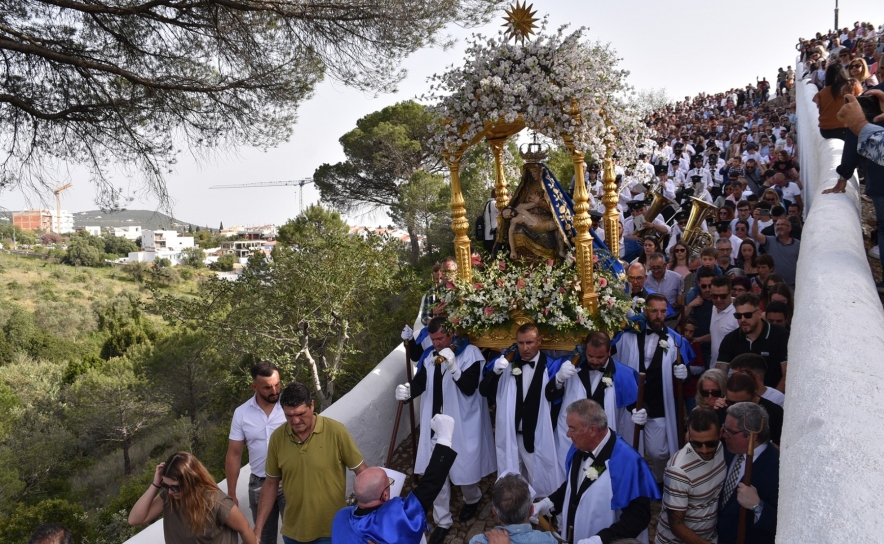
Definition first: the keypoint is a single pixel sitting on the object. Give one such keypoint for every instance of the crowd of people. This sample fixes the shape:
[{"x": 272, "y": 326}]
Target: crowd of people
[{"x": 685, "y": 408}]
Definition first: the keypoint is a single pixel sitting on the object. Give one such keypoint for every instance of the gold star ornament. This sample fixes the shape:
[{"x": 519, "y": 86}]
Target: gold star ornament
[{"x": 520, "y": 22}]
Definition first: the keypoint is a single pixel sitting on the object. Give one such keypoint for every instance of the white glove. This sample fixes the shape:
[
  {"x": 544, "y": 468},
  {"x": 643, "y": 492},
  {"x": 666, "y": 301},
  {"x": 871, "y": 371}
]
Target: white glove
[
  {"x": 591, "y": 540},
  {"x": 680, "y": 371},
  {"x": 639, "y": 417},
  {"x": 444, "y": 427},
  {"x": 451, "y": 363},
  {"x": 403, "y": 392},
  {"x": 500, "y": 364},
  {"x": 566, "y": 371},
  {"x": 407, "y": 334},
  {"x": 541, "y": 508}
]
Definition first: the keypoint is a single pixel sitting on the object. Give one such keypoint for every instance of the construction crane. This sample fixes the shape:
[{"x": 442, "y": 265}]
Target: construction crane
[
  {"x": 57, "y": 191},
  {"x": 290, "y": 183}
]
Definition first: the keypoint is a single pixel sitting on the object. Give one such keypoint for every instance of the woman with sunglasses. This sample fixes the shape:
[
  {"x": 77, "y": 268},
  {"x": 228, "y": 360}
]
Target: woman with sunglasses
[
  {"x": 678, "y": 259},
  {"x": 859, "y": 70},
  {"x": 194, "y": 509},
  {"x": 712, "y": 386}
]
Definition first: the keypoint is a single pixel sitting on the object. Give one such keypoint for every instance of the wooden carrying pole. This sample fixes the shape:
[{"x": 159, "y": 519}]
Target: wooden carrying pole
[
  {"x": 639, "y": 402},
  {"x": 747, "y": 479},
  {"x": 392, "y": 447},
  {"x": 679, "y": 403}
]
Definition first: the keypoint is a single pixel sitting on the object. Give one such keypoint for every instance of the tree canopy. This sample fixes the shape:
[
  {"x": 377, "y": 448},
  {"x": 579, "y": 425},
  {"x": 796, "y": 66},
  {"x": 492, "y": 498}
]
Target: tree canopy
[{"x": 127, "y": 81}]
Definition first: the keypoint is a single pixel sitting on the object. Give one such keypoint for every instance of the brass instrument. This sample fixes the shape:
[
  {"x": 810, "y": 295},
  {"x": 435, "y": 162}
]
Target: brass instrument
[
  {"x": 693, "y": 236},
  {"x": 657, "y": 206}
]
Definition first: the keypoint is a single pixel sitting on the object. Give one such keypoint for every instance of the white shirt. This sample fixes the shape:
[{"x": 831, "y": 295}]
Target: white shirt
[
  {"x": 252, "y": 425},
  {"x": 528, "y": 375},
  {"x": 774, "y": 395},
  {"x": 721, "y": 323},
  {"x": 790, "y": 191},
  {"x": 589, "y": 461}
]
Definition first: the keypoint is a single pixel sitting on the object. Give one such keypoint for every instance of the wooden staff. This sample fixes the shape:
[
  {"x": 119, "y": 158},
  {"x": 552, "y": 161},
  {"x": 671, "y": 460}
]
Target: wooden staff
[
  {"x": 636, "y": 433},
  {"x": 679, "y": 403},
  {"x": 392, "y": 447},
  {"x": 747, "y": 479}
]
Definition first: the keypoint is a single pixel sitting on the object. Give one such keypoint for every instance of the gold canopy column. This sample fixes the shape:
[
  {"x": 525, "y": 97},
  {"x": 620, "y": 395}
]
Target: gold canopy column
[
  {"x": 459, "y": 223},
  {"x": 583, "y": 241},
  {"x": 610, "y": 200},
  {"x": 500, "y": 183}
]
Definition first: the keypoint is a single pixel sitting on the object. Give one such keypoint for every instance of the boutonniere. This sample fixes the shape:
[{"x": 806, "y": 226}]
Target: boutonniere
[
  {"x": 665, "y": 345},
  {"x": 516, "y": 369},
  {"x": 607, "y": 380},
  {"x": 594, "y": 471}
]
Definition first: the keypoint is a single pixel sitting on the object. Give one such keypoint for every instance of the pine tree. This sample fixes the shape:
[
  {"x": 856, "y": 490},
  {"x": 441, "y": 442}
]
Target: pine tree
[{"x": 221, "y": 226}]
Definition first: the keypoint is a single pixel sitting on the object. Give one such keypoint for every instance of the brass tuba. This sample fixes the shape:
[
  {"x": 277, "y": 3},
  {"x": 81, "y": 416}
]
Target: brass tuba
[
  {"x": 659, "y": 203},
  {"x": 693, "y": 236}
]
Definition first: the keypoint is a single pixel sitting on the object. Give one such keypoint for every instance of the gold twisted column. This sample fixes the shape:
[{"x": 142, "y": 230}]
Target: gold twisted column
[
  {"x": 583, "y": 241},
  {"x": 500, "y": 183},
  {"x": 459, "y": 223},
  {"x": 610, "y": 200}
]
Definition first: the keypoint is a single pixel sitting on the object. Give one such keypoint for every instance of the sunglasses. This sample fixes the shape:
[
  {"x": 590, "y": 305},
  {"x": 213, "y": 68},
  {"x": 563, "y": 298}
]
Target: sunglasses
[
  {"x": 856, "y": 66},
  {"x": 710, "y": 393},
  {"x": 713, "y": 444},
  {"x": 720, "y": 297},
  {"x": 681, "y": 251},
  {"x": 171, "y": 488},
  {"x": 747, "y": 315}
]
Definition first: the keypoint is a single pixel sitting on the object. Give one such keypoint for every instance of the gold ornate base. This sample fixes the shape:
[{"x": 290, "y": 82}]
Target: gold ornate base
[{"x": 505, "y": 336}]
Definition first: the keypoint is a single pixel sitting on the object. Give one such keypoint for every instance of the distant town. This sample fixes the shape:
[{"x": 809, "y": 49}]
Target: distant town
[{"x": 167, "y": 240}]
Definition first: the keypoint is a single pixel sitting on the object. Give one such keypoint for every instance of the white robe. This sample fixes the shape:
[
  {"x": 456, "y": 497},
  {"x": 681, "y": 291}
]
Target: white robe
[
  {"x": 594, "y": 509},
  {"x": 575, "y": 391},
  {"x": 472, "y": 438},
  {"x": 547, "y": 473},
  {"x": 627, "y": 354}
]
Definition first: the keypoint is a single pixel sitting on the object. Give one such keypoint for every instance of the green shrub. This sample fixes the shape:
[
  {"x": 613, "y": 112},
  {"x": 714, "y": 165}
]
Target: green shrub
[{"x": 21, "y": 522}]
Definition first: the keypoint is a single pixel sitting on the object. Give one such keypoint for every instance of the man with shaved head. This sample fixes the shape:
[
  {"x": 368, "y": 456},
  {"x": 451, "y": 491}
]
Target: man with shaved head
[{"x": 380, "y": 518}]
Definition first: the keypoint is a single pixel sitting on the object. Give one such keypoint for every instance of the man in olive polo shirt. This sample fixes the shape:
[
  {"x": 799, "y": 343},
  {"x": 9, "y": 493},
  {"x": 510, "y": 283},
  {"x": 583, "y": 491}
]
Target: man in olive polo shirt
[
  {"x": 310, "y": 454},
  {"x": 755, "y": 335}
]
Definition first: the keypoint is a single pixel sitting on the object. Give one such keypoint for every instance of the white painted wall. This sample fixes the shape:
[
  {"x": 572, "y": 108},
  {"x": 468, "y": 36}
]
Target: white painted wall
[
  {"x": 368, "y": 411},
  {"x": 831, "y": 479}
]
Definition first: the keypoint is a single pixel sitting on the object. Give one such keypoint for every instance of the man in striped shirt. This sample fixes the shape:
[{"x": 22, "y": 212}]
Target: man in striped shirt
[{"x": 692, "y": 483}]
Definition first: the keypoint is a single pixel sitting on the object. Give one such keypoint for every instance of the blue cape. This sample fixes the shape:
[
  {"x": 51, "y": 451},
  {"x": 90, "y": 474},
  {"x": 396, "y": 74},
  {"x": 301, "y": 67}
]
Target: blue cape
[
  {"x": 396, "y": 521},
  {"x": 422, "y": 336},
  {"x": 631, "y": 477},
  {"x": 563, "y": 208},
  {"x": 552, "y": 365}
]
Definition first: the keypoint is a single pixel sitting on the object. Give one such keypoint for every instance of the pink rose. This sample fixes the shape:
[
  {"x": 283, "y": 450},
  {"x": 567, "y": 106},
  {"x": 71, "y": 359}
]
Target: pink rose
[
  {"x": 455, "y": 320},
  {"x": 595, "y": 258},
  {"x": 501, "y": 265},
  {"x": 550, "y": 262},
  {"x": 441, "y": 305},
  {"x": 520, "y": 283},
  {"x": 475, "y": 260},
  {"x": 603, "y": 283},
  {"x": 449, "y": 285},
  {"x": 546, "y": 311},
  {"x": 489, "y": 310},
  {"x": 500, "y": 282},
  {"x": 561, "y": 290},
  {"x": 477, "y": 286}
]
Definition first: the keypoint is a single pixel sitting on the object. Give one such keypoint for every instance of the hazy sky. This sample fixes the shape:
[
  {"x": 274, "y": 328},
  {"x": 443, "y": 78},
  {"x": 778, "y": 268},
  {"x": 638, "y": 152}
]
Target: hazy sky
[{"x": 685, "y": 47}]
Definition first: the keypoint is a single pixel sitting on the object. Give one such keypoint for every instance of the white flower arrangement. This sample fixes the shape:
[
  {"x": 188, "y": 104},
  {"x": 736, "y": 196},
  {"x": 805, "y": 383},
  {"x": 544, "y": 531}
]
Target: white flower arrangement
[
  {"x": 541, "y": 81},
  {"x": 664, "y": 344},
  {"x": 608, "y": 381},
  {"x": 592, "y": 473},
  {"x": 548, "y": 294},
  {"x": 515, "y": 371}
]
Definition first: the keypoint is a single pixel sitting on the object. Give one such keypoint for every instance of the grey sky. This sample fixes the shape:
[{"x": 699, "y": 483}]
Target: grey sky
[{"x": 686, "y": 47}]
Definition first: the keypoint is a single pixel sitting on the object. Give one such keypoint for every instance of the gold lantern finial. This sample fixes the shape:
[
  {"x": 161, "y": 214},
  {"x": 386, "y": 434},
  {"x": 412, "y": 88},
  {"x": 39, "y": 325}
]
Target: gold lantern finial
[{"x": 520, "y": 22}]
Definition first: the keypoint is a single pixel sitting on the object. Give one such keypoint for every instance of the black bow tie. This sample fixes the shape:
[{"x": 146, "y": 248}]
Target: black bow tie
[
  {"x": 584, "y": 455},
  {"x": 529, "y": 363}
]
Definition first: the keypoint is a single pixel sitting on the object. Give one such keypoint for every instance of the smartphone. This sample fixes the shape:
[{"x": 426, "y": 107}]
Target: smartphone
[{"x": 870, "y": 105}]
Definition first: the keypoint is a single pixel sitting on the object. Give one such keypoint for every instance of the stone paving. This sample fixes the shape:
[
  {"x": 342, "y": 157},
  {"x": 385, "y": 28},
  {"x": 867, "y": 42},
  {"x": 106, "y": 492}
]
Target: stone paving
[{"x": 461, "y": 533}]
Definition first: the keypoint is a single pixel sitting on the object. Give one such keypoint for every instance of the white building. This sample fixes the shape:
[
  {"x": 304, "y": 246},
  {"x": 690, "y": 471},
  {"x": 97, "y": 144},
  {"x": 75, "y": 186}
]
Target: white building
[
  {"x": 92, "y": 231},
  {"x": 63, "y": 223},
  {"x": 129, "y": 233},
  {"x": 161, "y": 244}
]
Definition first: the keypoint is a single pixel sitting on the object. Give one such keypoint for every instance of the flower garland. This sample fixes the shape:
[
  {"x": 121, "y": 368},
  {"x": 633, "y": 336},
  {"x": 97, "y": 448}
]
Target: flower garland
[
  {"x": 548, "y": 294},
  {"x": 540, "y": 81}
]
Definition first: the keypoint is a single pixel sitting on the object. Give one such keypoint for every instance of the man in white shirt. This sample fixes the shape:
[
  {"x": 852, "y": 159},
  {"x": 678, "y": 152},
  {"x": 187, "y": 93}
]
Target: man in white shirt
[
  {"x": 253, "y": 423},
  {"x": 790, "y": 189},
  {"x": 722, "y": 321}
]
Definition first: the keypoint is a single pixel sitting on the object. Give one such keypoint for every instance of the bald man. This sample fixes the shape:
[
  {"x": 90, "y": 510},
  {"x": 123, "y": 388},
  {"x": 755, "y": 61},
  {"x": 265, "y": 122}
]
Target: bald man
[{"x": 382, "y": 519}]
